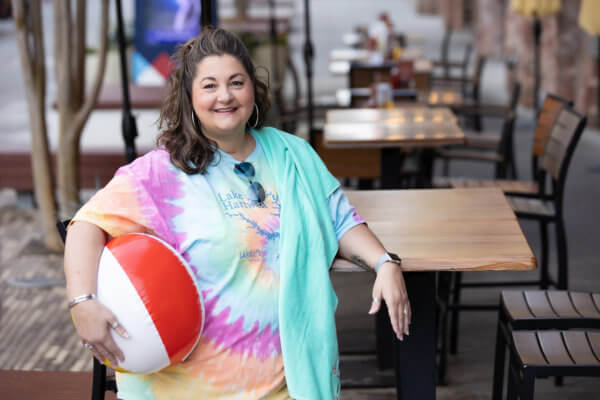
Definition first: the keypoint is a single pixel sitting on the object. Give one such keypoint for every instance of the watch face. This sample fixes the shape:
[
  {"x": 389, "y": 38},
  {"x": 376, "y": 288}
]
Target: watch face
[{"x": 394, "y": 257}]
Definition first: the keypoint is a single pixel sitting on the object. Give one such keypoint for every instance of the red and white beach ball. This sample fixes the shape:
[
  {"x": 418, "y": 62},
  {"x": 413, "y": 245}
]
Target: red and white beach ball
[{"x": 152, "y": 291}]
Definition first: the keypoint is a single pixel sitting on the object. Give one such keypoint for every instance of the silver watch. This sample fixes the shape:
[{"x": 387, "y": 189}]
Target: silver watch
[{"x": 385, "y": 257}]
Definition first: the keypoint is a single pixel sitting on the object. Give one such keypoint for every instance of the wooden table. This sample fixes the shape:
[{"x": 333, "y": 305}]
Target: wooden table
[
  {"x": 438, "y": 230},
  {"x": 392, "y": 129},
  {"x": 341, "y": 61},
  {"x": 432, "y": 98}
]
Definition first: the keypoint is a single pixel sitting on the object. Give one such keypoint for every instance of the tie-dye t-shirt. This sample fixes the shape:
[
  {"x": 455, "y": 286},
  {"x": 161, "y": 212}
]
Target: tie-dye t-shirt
[{"x": 235, "y": 256}]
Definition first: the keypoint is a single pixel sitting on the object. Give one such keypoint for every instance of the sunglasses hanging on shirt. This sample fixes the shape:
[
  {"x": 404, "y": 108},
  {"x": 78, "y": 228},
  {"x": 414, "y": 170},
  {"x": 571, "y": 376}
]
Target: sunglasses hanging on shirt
[{"x": 256, "y": 193}]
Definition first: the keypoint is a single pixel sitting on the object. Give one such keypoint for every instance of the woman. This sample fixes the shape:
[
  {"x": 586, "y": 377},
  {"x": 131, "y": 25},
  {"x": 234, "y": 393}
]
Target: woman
[{"x": 258, "y": 217}]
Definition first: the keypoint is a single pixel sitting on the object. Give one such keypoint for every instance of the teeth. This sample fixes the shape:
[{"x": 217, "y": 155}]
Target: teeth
[{"x": 225, "y": 110}]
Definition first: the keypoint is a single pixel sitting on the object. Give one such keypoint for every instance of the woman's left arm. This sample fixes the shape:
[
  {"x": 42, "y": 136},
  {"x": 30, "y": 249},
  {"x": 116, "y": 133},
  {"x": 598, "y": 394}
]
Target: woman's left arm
[{"x": 362, "y": 247}]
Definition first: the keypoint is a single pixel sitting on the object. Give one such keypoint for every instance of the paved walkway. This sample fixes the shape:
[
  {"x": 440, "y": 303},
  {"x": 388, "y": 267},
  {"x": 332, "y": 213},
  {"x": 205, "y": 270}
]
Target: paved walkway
[{"x": 35, "y": 328}]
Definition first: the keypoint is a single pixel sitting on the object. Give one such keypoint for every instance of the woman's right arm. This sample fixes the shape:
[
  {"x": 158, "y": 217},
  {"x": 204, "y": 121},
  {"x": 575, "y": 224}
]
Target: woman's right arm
[{"x": 93, "y": 320}]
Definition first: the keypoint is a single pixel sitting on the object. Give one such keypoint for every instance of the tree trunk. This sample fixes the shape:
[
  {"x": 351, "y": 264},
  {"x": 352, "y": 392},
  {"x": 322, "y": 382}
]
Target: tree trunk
[
  {"x": 73, "y": 106},
  {"x": 28, "y": 24}
]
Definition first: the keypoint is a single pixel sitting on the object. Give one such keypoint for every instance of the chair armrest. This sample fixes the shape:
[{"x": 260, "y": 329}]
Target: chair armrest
[
  {"x": 521, "y": 194},
  {"x": 470, "y": 154},
  {"x": 451, "y": 79},
  {"x": 450, "y": 64},
  {"x": 529, "y": 195},
  {"x": 482, "y": 141},
  {"x": 484, "y": 110}
]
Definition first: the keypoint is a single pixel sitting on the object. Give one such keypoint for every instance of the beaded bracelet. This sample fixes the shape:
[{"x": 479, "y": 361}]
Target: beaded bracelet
[{"x": 81, "y": 299}]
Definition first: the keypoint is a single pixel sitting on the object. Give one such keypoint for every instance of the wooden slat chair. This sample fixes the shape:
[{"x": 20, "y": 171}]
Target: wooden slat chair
[
  {"x": 445, "y": 64},
  {"x": 545, "y": 121},
  {"x": 548, "y": 207},
  {"x": 537, "y": 354},
  {"x": 489, "y": 147},
  {"x": 448, "y": 67},
  {"x": 544, "y": 207},
  {"x": 470, "y": 86},
  {"x": 102, "y": 381},
  {"x": 536, "y": 310}
]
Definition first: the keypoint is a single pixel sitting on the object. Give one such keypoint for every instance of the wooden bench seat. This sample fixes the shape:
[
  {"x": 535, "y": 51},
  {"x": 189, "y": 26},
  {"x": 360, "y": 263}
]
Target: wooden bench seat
[
  {"x": 47, "y": 385},
  {"x": 96, "y": 169},
  {"x": 141, "y": 97}
]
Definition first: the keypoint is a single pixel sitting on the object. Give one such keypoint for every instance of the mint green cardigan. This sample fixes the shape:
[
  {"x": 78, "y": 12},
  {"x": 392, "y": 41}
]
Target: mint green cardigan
[{"x": 308, "y": 245}]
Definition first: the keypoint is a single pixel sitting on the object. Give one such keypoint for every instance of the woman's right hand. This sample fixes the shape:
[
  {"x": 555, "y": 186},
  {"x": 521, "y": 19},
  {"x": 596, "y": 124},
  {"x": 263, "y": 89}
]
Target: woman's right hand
[{"x": 93, "y": 322}]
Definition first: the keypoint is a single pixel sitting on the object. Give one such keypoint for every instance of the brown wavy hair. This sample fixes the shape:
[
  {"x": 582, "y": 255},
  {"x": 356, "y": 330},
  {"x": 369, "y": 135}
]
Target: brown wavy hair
[{"x": 189, "y": 148}]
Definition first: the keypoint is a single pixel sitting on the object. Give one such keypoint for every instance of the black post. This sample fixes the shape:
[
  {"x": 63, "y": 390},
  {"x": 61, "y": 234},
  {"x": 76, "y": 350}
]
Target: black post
[
  {"x": 537, "y": 35},
  {"x": 308, "y": 60},
  {"x": 275, "y": 55},
  {"x": 596, "y": 168},
  {"x": 598, "y": 81},
  {"x": 273, "y": 37},
  {"x": 128, "y": 125},
  {"x": 277, "y": 82},
  {"x": 206, "y": 13}
]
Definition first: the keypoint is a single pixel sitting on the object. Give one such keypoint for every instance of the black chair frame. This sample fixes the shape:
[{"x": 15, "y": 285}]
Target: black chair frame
[
  {"x": 101, "y": 381},
  {"x": 505, "y": 165}
]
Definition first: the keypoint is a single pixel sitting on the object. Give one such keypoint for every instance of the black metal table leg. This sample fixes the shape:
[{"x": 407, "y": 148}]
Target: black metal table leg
[
  {"x": 425, "y": 177},
  {"x": 415, "y": 355},
  {"x": 384, "y": 339},
  {"x": 391, "y": 166}
]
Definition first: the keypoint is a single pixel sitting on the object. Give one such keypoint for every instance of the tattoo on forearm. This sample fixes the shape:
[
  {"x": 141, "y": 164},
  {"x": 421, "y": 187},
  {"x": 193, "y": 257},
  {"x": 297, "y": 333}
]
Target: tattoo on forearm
[{"x": 360, "y": 262}]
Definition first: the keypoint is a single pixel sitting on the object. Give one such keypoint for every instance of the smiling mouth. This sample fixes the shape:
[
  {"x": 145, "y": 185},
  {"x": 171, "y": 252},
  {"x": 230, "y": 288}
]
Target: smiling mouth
[{"x": 225, "y": 110}]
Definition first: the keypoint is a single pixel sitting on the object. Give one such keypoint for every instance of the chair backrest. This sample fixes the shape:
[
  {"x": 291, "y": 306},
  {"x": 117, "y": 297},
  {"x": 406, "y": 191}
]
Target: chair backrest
[
  {"x": 466, "y": 58},
  {"x": 444, "y": 50},
  {"x": 514, "y": 97},
  {"x": 509, "y": 118},
  {"x": 100, "y": 381},
  {"x": 545, "y": 122},
  {"x": 477, "y": 74},
  {"x": 563, "y": 138},
  {"x": 363, "y": 75}
]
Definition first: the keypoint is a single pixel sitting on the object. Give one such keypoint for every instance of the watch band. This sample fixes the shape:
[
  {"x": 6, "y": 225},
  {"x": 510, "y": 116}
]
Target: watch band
[{"x": 387, "y": 257}]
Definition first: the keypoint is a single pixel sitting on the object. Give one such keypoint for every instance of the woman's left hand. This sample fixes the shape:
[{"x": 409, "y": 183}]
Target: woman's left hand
[{"x": 390, "y": 287}]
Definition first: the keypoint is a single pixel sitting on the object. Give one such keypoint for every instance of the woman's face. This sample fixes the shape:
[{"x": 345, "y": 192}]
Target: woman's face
[{"x": 222, "y": 96}]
